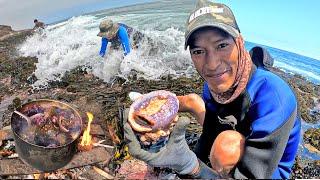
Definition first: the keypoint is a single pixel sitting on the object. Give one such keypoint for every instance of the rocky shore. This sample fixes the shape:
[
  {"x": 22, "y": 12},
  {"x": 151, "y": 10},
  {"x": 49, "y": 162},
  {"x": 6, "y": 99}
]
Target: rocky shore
[{"x": 88, "y": 93}]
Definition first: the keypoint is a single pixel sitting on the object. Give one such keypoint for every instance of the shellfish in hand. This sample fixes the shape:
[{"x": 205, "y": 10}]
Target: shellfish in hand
[{"x": 152, "y": 116}]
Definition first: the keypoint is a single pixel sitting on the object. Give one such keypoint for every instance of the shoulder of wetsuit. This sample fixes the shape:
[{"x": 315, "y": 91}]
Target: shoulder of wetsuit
[
  {"x": 261, "y": 57},
  {"x": 128, "y": 28}
]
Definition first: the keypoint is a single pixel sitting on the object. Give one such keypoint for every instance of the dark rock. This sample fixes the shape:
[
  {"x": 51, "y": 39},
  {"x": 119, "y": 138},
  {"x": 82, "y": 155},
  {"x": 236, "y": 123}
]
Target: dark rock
[
  {"x": 5, "y": 30},
  {"x": 72, "y": 89},
  {"x": 312, "y": 136},
  {"x": 305, "y": 169}
]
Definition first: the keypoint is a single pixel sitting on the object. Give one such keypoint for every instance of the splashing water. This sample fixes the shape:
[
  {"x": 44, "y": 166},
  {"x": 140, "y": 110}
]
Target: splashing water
[
  {"x": 72, "y": 43},
  {"x": 61, "y": 48},
  {"x": 64, "y": 46}
]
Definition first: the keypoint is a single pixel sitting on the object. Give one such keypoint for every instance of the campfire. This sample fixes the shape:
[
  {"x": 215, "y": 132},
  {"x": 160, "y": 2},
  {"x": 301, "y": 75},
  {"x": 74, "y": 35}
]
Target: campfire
[
  {"x": 86, "y": 141},
  {"x": 83, "y": 151}
]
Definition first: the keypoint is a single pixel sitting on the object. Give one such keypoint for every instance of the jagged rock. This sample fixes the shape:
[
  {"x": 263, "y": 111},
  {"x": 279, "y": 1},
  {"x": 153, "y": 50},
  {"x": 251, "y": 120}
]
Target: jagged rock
[
  {"x": 305, "y": 169},
  {"x": 5, "y": 30},
  {"x": 312, "y": 137}
]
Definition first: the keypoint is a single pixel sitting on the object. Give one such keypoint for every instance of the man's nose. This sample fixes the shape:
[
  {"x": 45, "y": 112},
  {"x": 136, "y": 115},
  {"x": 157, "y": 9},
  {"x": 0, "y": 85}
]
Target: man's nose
[{"x": 212, "y": 60}]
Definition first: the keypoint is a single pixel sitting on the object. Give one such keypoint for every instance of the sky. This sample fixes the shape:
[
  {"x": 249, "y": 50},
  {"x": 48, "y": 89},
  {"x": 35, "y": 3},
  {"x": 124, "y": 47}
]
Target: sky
[
  {"x": 292, "y": 25},
  {"x": 20, "y": 13}
]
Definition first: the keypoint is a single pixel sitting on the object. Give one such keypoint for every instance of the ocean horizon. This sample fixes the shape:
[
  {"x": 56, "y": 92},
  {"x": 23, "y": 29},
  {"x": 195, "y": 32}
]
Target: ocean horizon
[
  {"x": 73, "y": 42},
  {"x": 127, "y": 3}
]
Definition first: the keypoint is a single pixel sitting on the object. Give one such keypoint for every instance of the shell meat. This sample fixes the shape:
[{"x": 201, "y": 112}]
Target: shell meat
[{"x": 154, "y": 113}]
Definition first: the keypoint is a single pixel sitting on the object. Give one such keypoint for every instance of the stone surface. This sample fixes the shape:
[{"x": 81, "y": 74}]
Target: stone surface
[{"x": 17, "y": 167}]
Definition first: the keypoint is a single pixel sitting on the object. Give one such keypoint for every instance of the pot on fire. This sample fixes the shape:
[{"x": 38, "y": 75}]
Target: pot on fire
[{"x": 46, "y": 133}]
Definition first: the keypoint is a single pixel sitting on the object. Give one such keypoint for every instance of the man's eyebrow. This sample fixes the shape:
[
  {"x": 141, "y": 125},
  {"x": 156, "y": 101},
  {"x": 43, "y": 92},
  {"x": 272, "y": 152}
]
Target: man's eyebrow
[
  {"x": 214, "y": 42},
  {"x": 219, "y": 40},
  {"x": 194, "y": 46}
]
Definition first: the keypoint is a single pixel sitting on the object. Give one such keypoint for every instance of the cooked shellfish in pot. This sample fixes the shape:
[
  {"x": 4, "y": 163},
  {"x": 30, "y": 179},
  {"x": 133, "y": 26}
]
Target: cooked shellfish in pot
[{"x": 47, "y": 125}]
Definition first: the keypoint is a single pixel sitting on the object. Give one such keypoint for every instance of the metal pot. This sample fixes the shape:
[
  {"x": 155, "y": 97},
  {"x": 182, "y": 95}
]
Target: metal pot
[{"x": 45, "y": 159}]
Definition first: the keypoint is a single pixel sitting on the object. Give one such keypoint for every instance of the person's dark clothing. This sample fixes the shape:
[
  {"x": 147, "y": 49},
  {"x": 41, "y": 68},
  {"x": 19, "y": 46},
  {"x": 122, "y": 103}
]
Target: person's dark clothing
[
  {"x": 266, "y": 114},
  {"x": 39, "y": 24}
]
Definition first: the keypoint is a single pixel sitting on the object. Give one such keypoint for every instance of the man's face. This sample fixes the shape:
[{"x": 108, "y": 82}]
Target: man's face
[{"x": 215, "y": 58}]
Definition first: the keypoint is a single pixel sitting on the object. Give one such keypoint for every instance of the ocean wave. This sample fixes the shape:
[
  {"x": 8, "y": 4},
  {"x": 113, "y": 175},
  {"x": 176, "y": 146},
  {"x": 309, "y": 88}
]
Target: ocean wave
[
  {"x": 74, "y": 42},
  {"x": 301, "y": 70},
  {"x": 67, "y": 45}
]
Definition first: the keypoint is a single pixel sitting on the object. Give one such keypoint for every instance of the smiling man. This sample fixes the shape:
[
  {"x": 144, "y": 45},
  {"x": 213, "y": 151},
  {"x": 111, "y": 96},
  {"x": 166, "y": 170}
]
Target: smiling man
[{"x": 237, "y": 95}]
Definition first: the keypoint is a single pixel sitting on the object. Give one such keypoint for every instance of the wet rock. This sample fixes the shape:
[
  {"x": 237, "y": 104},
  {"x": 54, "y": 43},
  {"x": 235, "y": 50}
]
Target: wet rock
[
  {"x": 67, "y": 97},
  {"x": 305, "y": 169},
  {"x": 14, "y": 70},
  {"x": 5, "y": 30},
  {"x": 312, "y": 137},
  {"x": 32, "y": 79},
  {"x": 135, "y": 169},
  {"x": 72, "y": 89}
]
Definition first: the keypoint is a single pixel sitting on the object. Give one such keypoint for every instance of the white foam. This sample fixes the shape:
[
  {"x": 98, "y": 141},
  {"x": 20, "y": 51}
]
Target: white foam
[
  {"x": 66, "y": 45},
  {"x": 62, "y": 47},
  {"x": 74, "y": 42},
  {"x": 297, "y": 70}
]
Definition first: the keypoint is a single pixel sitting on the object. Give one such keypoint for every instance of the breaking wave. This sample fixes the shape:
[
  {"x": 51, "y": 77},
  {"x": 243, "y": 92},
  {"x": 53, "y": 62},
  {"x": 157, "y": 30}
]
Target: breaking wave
[
  {"x": 67, "y": 45},
  {"x": 64, "y": 46}
]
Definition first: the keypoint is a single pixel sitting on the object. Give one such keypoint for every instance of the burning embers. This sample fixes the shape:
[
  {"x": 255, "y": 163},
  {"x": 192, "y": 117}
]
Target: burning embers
[
  {"x": 47, "y": 125},
  {"x": 152, "y": 117},
  {"x": 86, "y": 141}
]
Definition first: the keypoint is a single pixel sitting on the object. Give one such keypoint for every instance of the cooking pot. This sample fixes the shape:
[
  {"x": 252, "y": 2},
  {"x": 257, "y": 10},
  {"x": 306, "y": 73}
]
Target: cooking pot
[{"x": 41, "y": 157}]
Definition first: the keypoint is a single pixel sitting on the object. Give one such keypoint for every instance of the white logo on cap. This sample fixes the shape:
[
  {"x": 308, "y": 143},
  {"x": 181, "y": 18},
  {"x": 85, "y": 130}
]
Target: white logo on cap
[{"x": 205, "y": 10}]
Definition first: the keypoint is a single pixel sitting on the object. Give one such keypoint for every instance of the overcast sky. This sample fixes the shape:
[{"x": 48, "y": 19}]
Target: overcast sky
[
  {"x": 19, "y": 14},
  {"x": 286, "y": 24}
]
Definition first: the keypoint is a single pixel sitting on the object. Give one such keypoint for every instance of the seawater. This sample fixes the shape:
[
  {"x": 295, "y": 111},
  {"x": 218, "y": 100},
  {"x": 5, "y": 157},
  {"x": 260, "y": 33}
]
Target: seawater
[{"x": 74, "y": 42}]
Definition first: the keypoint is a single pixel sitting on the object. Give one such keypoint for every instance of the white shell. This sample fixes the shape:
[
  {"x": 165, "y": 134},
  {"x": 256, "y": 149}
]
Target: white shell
[{"x": 134, "y": 95}]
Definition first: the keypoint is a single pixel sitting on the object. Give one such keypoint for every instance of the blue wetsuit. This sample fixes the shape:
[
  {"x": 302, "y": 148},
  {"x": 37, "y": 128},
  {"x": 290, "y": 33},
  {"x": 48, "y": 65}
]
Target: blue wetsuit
[
  {"x": 266, "y": 114},
  {"x": 122, "y": 38}
]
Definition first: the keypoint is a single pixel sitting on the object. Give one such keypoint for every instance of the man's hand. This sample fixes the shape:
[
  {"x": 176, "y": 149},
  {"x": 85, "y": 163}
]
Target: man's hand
[
  {"x": 194, "y": 104},
  {"x": 102, "y": 54},
  {"x": 176, "y": 154}
]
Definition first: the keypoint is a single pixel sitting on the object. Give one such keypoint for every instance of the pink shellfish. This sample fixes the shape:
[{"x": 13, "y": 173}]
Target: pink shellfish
[{"x": 153, "y": 114}]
